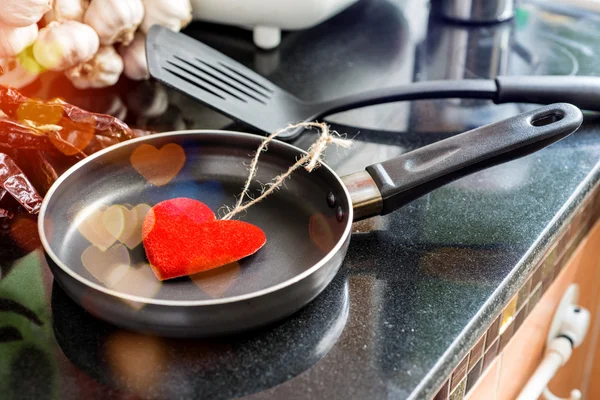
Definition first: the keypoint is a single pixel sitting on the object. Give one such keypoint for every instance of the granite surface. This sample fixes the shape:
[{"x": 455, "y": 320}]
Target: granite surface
[{"x": 417, "y": 288}]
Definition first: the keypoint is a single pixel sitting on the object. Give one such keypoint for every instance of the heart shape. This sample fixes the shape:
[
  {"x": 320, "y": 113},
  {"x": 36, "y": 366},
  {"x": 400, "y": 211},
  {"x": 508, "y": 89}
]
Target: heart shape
[
  {"x": 103, "y": 225},
  {"x": 131, "y": 235},
  {"x": 182, "y": 237},
  {"x": 109, "y": 266},
  {"x": 90, "y": 223},
  {"x": 159, "y": 167},
  {"x": 138, "y": 281},
  {"x": 113, "y": 220},
  {"x": 216, "y": 282}
]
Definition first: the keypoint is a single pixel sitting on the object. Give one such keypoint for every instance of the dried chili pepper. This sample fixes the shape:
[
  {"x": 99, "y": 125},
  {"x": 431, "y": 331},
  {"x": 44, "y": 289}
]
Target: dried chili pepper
[
  {"x": 11, "y": 99},
  {"x": 99, "y": 143},
  {"x": 46, "y": 169},
  {"x": 29, "y": 129},
  {"x": 4, "y": 213},
  {"x": 37, "y": 167},
  {"x": 13, "y": 180},
  {"x": 70, "y": 143},
  {"x": 58, "y": 112},
  {"x": 17, "y": 136},
  {"x": 105, "y": 125}
]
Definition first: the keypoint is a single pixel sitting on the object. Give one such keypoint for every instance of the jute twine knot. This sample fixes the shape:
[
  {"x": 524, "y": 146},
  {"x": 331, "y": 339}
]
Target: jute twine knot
[{"x": 313, "y": 159}]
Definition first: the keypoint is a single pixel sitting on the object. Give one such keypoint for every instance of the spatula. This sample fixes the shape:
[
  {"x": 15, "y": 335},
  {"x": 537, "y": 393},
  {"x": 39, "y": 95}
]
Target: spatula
[{"x": 245, "y": 96}]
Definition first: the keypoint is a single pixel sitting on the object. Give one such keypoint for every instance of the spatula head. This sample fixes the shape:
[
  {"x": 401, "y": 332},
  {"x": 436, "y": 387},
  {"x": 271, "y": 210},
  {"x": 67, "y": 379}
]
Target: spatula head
[{"x": 221, "y": 83}]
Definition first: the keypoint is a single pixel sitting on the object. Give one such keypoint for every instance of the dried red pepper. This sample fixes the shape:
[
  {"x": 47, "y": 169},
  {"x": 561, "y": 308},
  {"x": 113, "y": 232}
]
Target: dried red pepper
[
  {"x": 17, "y": 136},
  {"x": 37, "y": 167},
  {"x": 29, "y": 128},
  {"x": 58, "y": 112},
  {"x": 104, "y": 125},
  {"x": 13, "y": 180},
  {"x": 4, "y": 213},
  {"x": 99, "y": 143}
]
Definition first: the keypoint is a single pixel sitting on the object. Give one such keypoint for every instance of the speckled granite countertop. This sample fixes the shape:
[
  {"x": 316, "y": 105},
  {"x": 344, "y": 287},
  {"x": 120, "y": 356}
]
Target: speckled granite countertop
[{"x": 418, "y": 287}]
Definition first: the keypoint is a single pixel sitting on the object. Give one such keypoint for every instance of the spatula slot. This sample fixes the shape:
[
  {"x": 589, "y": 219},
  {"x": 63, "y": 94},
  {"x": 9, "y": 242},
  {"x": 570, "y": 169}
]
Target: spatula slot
[
  {"x": 245, "y": 76},
  {"x": 216, "y": 86},
  {"x": 196, "y": 84},
  {"x": 221, "y": 82}
]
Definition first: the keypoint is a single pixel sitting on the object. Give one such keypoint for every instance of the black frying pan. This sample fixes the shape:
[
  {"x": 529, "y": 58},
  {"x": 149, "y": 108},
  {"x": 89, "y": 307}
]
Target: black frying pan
[{"x": 307, "y": 223}]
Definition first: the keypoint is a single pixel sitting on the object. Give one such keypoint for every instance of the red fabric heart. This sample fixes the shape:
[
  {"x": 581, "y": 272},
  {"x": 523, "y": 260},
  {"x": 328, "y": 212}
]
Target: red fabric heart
[{"x": 182, "y": 237}]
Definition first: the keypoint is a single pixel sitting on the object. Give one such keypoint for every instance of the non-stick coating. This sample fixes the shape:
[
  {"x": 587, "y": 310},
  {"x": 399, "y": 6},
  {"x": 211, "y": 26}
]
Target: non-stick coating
[{"x": 301, "y": 226}]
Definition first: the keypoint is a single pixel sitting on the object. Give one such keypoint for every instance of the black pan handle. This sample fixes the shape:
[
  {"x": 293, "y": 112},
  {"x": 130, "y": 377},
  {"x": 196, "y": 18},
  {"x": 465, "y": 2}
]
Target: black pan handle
[
  {"x": 582, "y": 91},
  {"x": 411, "y": 175}
]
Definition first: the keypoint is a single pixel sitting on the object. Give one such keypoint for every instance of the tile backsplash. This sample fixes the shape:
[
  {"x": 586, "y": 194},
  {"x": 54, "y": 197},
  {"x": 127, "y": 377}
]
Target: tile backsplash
[{"x": 482, "y": 355}]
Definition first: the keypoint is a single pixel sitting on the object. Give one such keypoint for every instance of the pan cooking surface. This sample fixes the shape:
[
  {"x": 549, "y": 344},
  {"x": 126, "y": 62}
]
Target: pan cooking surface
[{"x": 300, "y": 226}]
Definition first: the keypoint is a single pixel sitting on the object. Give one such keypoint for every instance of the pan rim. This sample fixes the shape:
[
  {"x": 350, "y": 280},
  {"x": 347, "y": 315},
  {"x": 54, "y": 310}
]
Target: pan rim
[{"x": 186, "y": 303}]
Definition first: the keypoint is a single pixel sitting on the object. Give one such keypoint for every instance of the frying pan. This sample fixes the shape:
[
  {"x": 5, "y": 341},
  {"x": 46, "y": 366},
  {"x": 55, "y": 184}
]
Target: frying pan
[{"x": 307, "y": 223}]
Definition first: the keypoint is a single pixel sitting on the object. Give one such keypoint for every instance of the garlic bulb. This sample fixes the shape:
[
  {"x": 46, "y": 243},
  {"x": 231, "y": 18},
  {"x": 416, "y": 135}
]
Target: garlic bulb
[
  {"x": 14, "y": 40},
  {"x": 67, "y": 10},
  {"x": 104, "y": 69},
  {"x": 115, "y": 21},
  {"x": 172, "y": 14},
  {"x": 15, "y": 73},
  {"x": 134, "y": 58},
  {"x": 63, "y": 45},
  {"x": 23, "y": 12}
]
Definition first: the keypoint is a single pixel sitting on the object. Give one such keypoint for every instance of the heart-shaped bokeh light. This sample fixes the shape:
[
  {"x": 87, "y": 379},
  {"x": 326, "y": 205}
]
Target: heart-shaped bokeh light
[
  {"x": 109, "y": 266},
  {"x": 158, "y": 167},
  {"x": 103, "y": 226},
  {"x": 217, "y": 281}
]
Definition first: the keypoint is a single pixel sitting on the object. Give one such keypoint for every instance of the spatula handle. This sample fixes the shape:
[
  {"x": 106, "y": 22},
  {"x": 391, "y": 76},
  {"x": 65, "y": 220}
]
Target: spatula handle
[
  {"x": 581, "y": 91},
  {"x": 445, "y": 89},
  {"x": 411, "y": 175}
]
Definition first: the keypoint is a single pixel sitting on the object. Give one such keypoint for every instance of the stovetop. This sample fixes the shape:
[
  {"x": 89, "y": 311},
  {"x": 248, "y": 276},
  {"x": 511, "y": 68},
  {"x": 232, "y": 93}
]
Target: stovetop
[{"x": 411, "y": 282}]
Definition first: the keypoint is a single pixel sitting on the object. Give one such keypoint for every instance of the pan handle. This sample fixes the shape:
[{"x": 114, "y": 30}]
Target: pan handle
[{"x": 387, "y": 186}]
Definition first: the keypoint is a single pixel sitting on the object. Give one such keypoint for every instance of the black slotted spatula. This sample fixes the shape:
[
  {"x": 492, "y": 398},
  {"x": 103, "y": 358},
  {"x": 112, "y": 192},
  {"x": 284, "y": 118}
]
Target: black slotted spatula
[{"x": 226, "y": 86}]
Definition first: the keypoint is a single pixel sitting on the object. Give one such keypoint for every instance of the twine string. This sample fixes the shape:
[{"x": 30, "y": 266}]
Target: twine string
[{"x": 310, "y": 161}]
